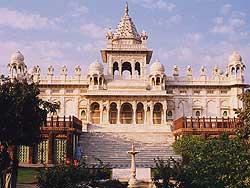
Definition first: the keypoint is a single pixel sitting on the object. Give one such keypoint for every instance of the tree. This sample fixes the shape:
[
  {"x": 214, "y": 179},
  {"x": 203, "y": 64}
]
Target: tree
[
  {"x": 22, "y": 113},
  {"x": 243, "y": 131},
  {"x": 215, "y": 162}
]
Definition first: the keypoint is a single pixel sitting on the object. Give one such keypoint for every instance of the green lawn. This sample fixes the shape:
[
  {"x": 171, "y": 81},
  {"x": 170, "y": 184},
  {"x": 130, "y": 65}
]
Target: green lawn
[{"x": 27, "y": 175}]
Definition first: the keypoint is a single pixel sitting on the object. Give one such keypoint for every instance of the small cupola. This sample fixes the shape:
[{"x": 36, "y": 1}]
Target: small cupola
[
  {"x": 95, "y": 76},
  {"x": 17, "y": 67},
  {"x": 157, "y": 76},
  {"x": 235, "y": 67}
]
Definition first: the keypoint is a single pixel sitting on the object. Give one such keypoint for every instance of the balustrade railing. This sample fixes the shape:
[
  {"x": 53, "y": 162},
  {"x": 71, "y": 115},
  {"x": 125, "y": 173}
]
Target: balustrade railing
[
  {"x": 63, "y": 122},
  {"x": 202, "y": 122}
]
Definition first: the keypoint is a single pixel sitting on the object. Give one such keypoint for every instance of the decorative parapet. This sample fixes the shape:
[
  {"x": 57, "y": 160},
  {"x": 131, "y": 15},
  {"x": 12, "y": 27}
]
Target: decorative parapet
[{"x": 122, "y": 46}]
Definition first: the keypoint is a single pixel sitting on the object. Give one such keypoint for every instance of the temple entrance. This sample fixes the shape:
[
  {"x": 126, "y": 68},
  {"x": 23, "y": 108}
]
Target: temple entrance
[{"x": 126, "y": 113}]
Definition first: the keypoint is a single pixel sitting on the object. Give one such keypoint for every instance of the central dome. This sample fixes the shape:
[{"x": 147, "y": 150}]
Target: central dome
[
  {"x": 96, "y": 67},
  {"x": 157, "y": 67}
]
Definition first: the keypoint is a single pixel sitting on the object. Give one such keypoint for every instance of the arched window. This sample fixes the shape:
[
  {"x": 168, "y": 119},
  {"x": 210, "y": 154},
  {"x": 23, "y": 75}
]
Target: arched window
[
  {"x": 137, "y": 68},
  {"x": 170, "y": 115},
  {"x": 115, "y": 69},
  {"x": 95, "y": 113},
  {"x": 126, "y": 113},
  {"x": 126, "y": 70},
  {"x": 237, "y": 71},
  {"x": 232, "y": 71},
  {"x": 157, "y": 113},
  {"x": 113, "y": 113},
  {"x": 83, "y": 114},
  {"x": 197, "y": 113},
  {"x": 100, "y": 80},
  {"x": 95, "y": 80},
  {"x": 153, "y": 81},
  {"x": 139, "y": 114},
  {"x": 225, "y": 113},
  {"x": 158, "y": 81}
]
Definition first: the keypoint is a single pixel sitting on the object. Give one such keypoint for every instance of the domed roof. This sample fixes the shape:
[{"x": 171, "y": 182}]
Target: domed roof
[
  {"x": 17, "y": 56},
  {"x": 235, "y": 56},
  {"x": 157, "y": 67},
  {"x": 95, "y": 67}
]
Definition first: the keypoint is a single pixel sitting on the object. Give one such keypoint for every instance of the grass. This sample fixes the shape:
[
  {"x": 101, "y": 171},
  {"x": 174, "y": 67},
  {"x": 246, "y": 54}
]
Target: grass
[{"x": 27, "y": 175}]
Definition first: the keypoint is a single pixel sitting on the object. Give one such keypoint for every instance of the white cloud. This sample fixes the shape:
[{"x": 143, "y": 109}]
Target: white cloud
[
  {"x": 193, "y": 37},
  {"x": 230, "y": 26},
  {"x": 92, "y": 30},
  {"x": 176, "y": 19},
  {"x": 77, "y": 8},
  {"x": 169, "y": 22},
  {"x": 22, "y": 20},
  {"x": 156, "y": 4},
  {"x": 93, "y": 47},
  {"x": 227, "y": 8}
]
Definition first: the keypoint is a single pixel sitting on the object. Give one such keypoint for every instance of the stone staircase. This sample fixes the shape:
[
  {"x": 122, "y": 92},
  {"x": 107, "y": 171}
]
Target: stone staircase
[{"x": 112, "y": 147}]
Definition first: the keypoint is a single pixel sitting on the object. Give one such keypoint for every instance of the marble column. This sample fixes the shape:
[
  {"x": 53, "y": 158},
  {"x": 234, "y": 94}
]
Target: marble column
[
  {"x": 134, "y": 113},
  {"x": 164, "y": 112},
  {"x": 118, "y": 113},
  {"x": 101, "y": 113},
  {"x": 145, "y": 114},
  {"x": 151, "y": 114}
]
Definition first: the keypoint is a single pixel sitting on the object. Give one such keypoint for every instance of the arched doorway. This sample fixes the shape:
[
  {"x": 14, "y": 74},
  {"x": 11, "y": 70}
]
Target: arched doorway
[
  {"x": 95, "y": 113},
  {"x": 157, "y": 113},
  {"x": 139, "y": 114},
  {"x": 126, "y": 113},
  {"x": 113, "y": 113}
]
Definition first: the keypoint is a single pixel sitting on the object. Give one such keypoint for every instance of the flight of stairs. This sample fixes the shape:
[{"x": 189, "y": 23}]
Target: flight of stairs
[{"x": 112, "y": 147}]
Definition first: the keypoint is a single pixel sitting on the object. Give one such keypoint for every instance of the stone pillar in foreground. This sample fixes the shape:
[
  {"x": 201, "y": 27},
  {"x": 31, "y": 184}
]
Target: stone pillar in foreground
[{"x": 132, "y": 183}]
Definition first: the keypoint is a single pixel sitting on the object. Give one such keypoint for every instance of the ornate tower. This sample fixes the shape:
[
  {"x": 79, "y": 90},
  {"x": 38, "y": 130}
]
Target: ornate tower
[{"x": 126, "y": 50}]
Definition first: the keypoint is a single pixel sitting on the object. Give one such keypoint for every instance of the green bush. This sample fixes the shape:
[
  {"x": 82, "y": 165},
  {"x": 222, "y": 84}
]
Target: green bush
[{"x": 71, "y": 176}]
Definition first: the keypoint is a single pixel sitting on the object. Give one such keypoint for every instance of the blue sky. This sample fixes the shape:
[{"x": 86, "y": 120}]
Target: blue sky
[{"x": 71, "y": 32}]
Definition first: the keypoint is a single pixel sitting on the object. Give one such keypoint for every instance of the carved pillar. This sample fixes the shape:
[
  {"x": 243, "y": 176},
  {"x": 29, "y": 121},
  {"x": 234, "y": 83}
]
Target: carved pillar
[
  {"x": 88, "y": 113},
  {"x": 101, "y": 113},
  {"x": 120, "y": 68},
  {"x": 133, "y": 69},
  {"x": 107, "y": 108},
  {"x": 164, "y": 112},
  {"x": 134, "y": 112},
  {"x": 151, "y": 114},
  {"x": 145, "y": 113},
  {"x": 118, "y": 113}
]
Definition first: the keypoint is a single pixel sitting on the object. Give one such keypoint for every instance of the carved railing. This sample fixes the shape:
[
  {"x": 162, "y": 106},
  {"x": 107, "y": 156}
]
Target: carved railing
[
  {"x": 56, "y": 122},
  {"x": 203, "y": 125}
]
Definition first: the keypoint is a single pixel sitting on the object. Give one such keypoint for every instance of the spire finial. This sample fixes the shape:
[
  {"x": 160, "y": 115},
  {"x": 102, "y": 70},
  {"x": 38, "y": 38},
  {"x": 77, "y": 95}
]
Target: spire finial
[{"x": 126, "y": 9}]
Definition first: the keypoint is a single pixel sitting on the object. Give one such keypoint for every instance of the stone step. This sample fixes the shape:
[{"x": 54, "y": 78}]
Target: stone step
[{"x": 112, "y": 147}]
